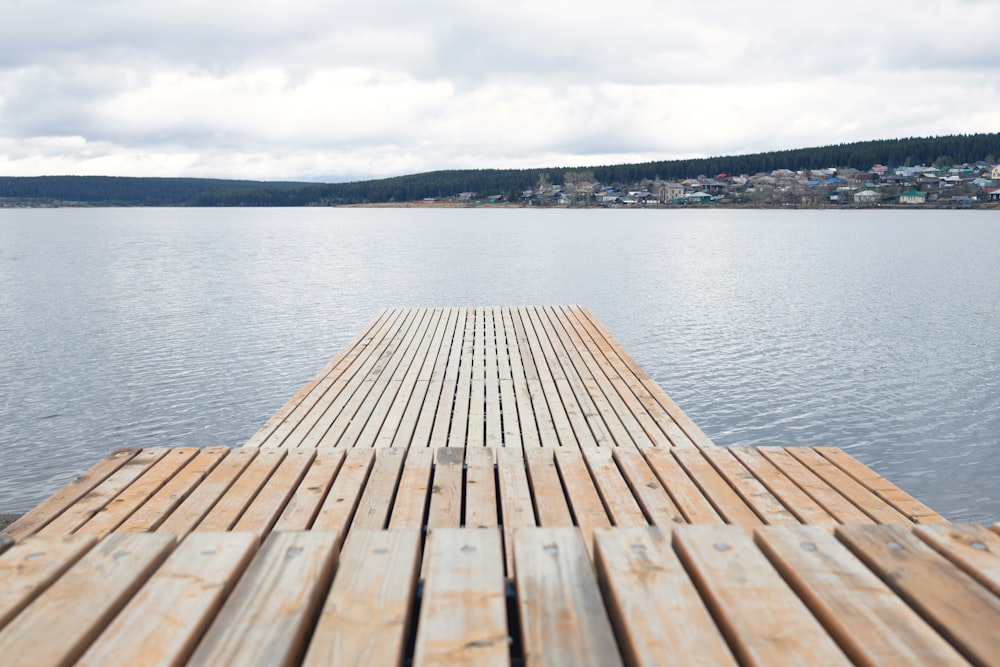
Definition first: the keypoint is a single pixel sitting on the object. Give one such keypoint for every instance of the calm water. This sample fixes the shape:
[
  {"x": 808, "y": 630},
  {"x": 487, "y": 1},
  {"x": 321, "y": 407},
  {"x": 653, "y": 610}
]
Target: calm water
[{"x": 874, "y": 331}]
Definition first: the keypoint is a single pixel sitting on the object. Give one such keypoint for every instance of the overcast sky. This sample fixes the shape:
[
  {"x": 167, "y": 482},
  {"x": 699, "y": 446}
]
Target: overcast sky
[{"x": 330, "y": 90}]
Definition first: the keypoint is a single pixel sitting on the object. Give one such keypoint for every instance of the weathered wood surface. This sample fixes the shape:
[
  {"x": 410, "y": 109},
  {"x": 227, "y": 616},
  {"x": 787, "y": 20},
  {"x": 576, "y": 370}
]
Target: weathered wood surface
[
  {"x": 693, "y": 595},
  {"x": 259, "y": 490},
  {"x": 445, "y": 450},
  {"x": 494, "y": 376}
]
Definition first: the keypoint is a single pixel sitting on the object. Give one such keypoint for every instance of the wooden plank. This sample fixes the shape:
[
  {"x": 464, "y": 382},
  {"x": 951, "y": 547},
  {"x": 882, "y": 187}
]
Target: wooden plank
[
  {"x": 653, "y": 434},
  {"x": 156, "y": 510},
  {"x": 804, "y": 508},
  {"x": 30, "y": 566},
  {"x": 573, "y": 375},
  {"x": 685, "y": 493},
  {"x": 162, "y": 624},
  {"x": 358, "y": 424},
  {"x": 861, "y": 613},
  {"x": 97, "y": 498},
  {"x": 749, "y": 488},
  {"x": 458, "y": 433},
  {"x": 338, "y": 507},
  {"x": 463, "y": 615},
  {"x": 65, "y": 497},
  {"x": 494, "y": 418},
  {"x": 268, "y": 505},
  {"x": 716, "y": 488},
  {"x": 440, "y": 433},
  {"x": 906, "y": 504},
  {"x": 445, "y": 509},
  {"x": 546, "y": 488},
  {"x": 476, "y": 432},
  {"x": 403, "y": 388},
  {"x": 434, "y": 373},
  {"x": 61, "y": 623},
  {"x": 563, "y": 619},
  {"x": 685, "y": 424},
  {"x": 306, "y": 427},
  {"x": 621, "y": 505},
  {"x": 544, "y": 390},
  {"x": 327, "y": 428},
  {"x": 481, "y": 509},
  {"x": 527, "y": 428},
  {"x": 619, "y": 418},
  {"x": 376, "y": 502},
  {"x": 762, "y": 619},
  {"x": 584, "y": 500},
  {"x": 516, "y": 507},
  {"x": 230, "y": 507},
  {"x": 142, "y": 489},
  {"x": 574, "y": 431},
  {"x": 649, "y": 493},
  {"x": 402, "y": 419},
  {"x": 509, "y": 399},
  {"x": 304, "y": 504},
  {"x": 329, "y": 372},
  {"x": 203, "y": 497},
  {"x": 412, "y": 497},
  {"x": 879, "y": 510},
  {"x": 389, "y": 387},
  {"x": 656, "y": 611},
  {"x": 964, "y": 612},
  {"x": 826, "y": 496},
  {"x": 537, "y": 402},
  {"x": 324, "y": 423},
  {"x": 367, "y": 614},
  {"x": 642, "y": 386},
  {"x": 975, "y": 549},
  {"x": 267, "y": 618}
]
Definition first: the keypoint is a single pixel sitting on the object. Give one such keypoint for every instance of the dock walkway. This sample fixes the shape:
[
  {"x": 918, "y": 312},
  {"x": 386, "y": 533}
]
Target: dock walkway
[{"x": 495, "y": 485}]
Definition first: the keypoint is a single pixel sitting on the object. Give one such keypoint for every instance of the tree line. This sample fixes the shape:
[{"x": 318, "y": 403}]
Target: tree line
[{"x": 126, "y": 191}]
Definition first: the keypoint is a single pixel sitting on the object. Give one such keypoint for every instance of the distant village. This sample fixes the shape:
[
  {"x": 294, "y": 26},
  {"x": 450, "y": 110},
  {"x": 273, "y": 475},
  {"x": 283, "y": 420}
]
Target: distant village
[{"x": 967, "y": 185}]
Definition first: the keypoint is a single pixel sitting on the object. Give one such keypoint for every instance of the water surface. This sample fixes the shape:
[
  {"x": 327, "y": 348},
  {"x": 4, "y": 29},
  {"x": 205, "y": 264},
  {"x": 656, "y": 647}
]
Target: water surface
[{"x": 875, "y": 331}]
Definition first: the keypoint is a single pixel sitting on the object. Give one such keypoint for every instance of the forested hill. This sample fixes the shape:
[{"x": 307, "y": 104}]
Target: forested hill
[
  {"x": 126, "y": 191},
  {"x": 94, "y": 190}
]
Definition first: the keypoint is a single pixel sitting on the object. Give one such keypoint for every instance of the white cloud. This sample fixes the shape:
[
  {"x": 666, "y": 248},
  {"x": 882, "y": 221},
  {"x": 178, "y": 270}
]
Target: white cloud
[{"x": 315, "y": 89}]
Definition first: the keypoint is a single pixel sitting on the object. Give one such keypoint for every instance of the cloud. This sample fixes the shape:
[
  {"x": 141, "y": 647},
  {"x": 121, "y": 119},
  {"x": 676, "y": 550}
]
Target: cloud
[{"x": 337, "y": 90}]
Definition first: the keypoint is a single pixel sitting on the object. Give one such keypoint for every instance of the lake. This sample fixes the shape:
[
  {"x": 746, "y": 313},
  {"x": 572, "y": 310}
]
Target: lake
[{"x": 876, "y": 331}]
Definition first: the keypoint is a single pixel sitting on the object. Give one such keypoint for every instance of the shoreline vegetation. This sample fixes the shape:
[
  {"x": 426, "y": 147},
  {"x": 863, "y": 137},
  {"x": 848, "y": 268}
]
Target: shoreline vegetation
[{"x": 956, "y": 171}]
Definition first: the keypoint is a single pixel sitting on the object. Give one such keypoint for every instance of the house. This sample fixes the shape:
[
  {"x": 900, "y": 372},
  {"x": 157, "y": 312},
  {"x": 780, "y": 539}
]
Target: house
[
  {"x": 700, "y": 197},
  {"x": 867, "y": 198},
  {"x": 913, "y": 197},
  {"x": 995, "y": 174},
  {"x": 993, "y": 195},
  {"x": 668, "y": 192}
]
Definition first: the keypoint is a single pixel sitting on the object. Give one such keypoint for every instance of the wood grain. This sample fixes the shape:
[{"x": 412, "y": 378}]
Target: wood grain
[
  {"x": 563, "y": 619},
  {"x": 872, "y": 625},
  {"x": 162, "y": 624},
  {"x": 463, "y": 615},
  {"x": 764, "y": 622},
  {"x": 957, "y": 606},
  {"x": 59, "y": 625},
  {"x": 657, "y": 613},
  {"x": 366, "y": 616},
  {"x": 30, "y": 566},
  {"x": 266, "y": 619}
]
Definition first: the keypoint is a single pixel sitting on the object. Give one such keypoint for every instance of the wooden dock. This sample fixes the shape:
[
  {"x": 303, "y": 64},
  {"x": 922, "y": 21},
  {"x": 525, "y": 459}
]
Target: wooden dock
[{"x": 495, "y": 485}]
